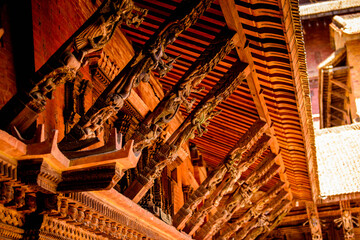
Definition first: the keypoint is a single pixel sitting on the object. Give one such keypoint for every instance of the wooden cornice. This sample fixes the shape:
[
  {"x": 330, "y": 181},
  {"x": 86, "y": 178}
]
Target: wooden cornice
[{"x": 233, "y": 21}]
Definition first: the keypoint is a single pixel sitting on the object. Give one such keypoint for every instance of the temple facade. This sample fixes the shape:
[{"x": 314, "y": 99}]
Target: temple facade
[{"x": 176, "y": 119}]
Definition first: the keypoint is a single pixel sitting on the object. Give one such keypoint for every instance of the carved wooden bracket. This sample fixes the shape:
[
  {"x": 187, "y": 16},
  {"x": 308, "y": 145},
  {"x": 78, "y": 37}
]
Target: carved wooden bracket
[
  {"x": 42, "y": 165},
  {"x": 234, "y": 165},
  {"x": 347, "y": 221},
  {"x": 265, "y": 204},
  {"x": 266, "y": 170},
  {"x": 196, "y": 121},
  {"x": 64, "y": 64},
  {"x": 151, "y": 57},
  {"x": 259, "y": 227}
]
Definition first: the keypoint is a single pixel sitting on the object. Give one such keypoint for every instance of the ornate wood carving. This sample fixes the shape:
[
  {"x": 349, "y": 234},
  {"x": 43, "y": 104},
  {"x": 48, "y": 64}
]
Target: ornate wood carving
[
  {"x": 260, "y": 227},
  {"x": 197, "y": 121},
  {"x": 314, "y": 221},
  {"x": 43, "y": 167},
  {"x": 261, "y": 174},
  {"x": 347, "y": 221},
  {"x": 151, "y": 57},
  {"x": 75, "y": 92},
  {"x": 102, "y": 177},
  {"x": 11, "y": 223},
  {"x": 236, "y": 163},
  {"x": 165, "y": 111},
  {"x": 268, "y": 201},
  {"x": 63, "y": 66}
]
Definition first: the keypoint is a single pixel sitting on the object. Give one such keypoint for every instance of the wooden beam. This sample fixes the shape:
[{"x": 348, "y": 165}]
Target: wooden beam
[
  {"x": 23, "y": 108},
  {"x": 209, "y": 185},
  {"x": 328, "y": 99},
  {"x": 325, "y": 214},
  {"x": 151, "y": 57},
  {"x": 339, "y": 110},
  {"x": 341, "y": 85},
  {"x": 150, "y": 128},
  {"x": 265, "y": 204}
]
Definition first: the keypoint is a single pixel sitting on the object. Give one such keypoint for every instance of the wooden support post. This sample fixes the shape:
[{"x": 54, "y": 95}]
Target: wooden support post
[
  {"x": 314, "y": 220},
  {"x": 263, "y": 173},
  {"x": 22, "y": 110},
  {"x": 197, "y": 120},
  {"x": 346, "y": 220}
]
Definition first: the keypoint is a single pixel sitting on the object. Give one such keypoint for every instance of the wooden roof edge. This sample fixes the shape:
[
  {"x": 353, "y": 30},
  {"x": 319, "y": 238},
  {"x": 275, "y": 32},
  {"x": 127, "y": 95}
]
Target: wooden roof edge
[
  {"x": 328, "y": 8},
  {"x": 338, "y": 197},
  {"x": 295, "y": 43}
]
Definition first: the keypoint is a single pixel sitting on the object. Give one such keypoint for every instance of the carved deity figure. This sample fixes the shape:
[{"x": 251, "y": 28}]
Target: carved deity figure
[
  {"x": 99, "y": 33},
  {"x": 347, "y": 221},
  {"x": 93, "y": 38},
  {"x": 95, "y": 125}
]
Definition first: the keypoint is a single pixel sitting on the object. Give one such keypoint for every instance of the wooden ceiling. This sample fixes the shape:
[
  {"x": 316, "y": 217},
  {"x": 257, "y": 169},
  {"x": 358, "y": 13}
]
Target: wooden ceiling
[{"x": 276, "y": 90}]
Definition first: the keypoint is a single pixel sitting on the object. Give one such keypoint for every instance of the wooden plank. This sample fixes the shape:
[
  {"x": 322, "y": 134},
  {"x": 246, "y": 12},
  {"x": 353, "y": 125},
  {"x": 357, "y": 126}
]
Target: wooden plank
[{"x": 340, "y": 84}]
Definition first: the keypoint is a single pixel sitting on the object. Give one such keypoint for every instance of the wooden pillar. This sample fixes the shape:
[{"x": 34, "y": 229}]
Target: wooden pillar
[{"x": 314, "y": 220}]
